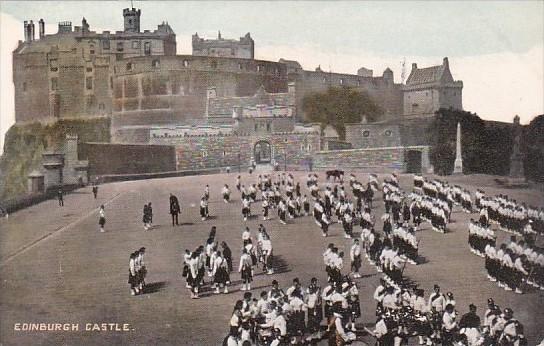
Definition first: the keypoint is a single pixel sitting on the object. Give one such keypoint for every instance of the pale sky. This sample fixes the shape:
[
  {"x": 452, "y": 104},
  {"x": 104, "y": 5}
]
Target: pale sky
[{"x": 495, "y": 48}]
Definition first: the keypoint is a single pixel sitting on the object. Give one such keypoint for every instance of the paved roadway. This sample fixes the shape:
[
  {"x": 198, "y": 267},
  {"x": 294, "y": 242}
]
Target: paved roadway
[{"x": 55, "y": 267}]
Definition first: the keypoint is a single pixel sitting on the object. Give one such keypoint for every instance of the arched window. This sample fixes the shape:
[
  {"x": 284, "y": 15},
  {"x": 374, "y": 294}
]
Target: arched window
[
  {"x": 129, "y": 66},
  {"x": 366, "y": 133}
]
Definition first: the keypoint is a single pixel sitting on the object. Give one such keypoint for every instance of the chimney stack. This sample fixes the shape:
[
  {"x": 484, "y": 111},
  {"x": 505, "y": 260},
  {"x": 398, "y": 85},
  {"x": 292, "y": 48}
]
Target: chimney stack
[
  {"x": 41, "y": 26},
  {"x": 31, "y": 30},
  {"x": 414, "y": 66},
  {"x": 445, "y": 62},
  {"x": 25, "y": 28}
]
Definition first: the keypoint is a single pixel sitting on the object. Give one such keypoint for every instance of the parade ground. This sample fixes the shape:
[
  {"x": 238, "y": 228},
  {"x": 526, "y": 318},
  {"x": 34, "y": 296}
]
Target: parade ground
[{"x": 56, "y": 267}]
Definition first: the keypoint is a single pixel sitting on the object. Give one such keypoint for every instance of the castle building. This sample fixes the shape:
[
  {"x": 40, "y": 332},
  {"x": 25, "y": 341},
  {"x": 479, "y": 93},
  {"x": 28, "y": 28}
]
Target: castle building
[
  {"x": 258, "y": 129},
  {"x": 220, "y": 47},
  {"x": 70, "y": 73},
  {"x": 431, "y": 88},
  {"x": 137, "y": 79}
]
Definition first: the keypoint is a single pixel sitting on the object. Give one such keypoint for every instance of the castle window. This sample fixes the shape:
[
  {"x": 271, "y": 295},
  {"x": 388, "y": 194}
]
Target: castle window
[
  {"x": 341, "y": 81},
  {"x": 54, "y": 65},
  {"x": 268, "y": 127},
  {"x": 89, "y": 83},
  {"x": 120, "y": 46},
  {"x": 309, "y": 147},
  {"x": 324, "y": 80},
  {"x": 388, "y": 133},
  {"x": 240, "y": 66},
  {"x": 204, "y": 153},
  {"x": 129, "y": 66},
  {"x": 224, "y": 153},
  {"x": 54, "y": 83},
  {"x": 185, "y": 63},
  {"x": 156, "y": 63},
  {"x": 135, "y": 44},
  {"x": 89, "y": 69},
  {"x": 119, "y": 56},
  {"x": 256, "y": 127},
  {"x": 259, "y": 68},
  {"x": 101, "y": 106},
  {"x": 106, "y": 44},
  {"x": 366, "y": 133},
  {"x": 213, "y": 64},
  {"x": 147, "y": 48},
  {"x": 358, "y": 83},
  {"x": 91, "y": 49},
  {"x": 24, "y": 86},
  {"x": 130, "y": 22}
]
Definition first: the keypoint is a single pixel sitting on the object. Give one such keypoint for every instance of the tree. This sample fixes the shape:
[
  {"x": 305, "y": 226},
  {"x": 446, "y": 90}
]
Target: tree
[
  {"x": 533, "y": 138},
  {"x": 339, "y": 106}
]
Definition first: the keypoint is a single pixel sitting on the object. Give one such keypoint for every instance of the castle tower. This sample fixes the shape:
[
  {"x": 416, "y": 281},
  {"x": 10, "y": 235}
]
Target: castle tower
[{"x": 132, "y": 19}]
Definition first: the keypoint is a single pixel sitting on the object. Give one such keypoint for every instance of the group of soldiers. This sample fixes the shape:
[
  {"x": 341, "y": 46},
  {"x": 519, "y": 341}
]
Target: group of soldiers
[
  {"x": 479, "y": 237},
  {"x": 403, "y": 313},
  {"x": 137, "y": 272},
  {"x": 515, "y": 265},
  {"x": 295, "y": 315},
  {"x": 208, "y": 259},
  {"x": 512, "y": 216},
  {"x": 435, "y": 201}
]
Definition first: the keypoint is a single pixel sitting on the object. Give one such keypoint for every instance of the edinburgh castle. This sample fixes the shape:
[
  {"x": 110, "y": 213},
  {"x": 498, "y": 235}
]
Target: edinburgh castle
[{"x": 136, "y": 78}]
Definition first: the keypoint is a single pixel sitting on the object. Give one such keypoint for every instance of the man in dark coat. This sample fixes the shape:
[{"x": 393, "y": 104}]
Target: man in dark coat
[{"x": 174, "y": 209}]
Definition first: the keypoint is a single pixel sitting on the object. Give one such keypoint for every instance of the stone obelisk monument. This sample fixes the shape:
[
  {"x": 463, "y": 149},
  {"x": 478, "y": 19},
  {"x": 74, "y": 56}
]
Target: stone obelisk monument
[
  {"x": 517, "y": 172},
  {"x": 458, "y": 165}
]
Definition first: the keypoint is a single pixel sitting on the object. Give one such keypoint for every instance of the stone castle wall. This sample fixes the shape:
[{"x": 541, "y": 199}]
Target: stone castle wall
[
  {"x": 377, "y": 160},
  {"x": 161, "y": 90},
  {"x": 52, "y": 74},
  {"x": 31, "y": 86},
  {"x": 106, "y": 159},
  {"x": 197, "y": 152}
]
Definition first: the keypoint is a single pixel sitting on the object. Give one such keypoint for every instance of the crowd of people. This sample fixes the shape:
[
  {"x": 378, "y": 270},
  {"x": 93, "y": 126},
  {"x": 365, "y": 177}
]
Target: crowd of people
[
  {"x": 403, "y": 313},
  {"x": 295, "y": 315}
]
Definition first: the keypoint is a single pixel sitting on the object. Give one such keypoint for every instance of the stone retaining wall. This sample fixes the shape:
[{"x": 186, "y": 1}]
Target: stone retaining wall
[{"x": 379, "y": 160}]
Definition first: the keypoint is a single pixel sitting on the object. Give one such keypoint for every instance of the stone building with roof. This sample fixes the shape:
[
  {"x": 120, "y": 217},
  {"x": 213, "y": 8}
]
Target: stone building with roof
[
  {"x": 431, "y": 88},
  {"x": 243, "y": 48}
]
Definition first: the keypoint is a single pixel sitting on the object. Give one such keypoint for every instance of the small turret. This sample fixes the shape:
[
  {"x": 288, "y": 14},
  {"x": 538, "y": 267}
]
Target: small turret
[{"x": 132, "y": 19}]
